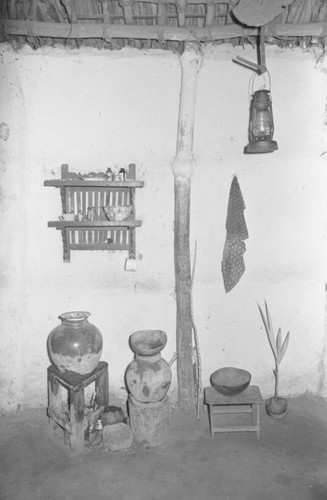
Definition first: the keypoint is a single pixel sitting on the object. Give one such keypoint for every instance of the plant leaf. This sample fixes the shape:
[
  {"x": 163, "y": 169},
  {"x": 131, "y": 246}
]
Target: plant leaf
[
  {"x": 269, "y": 321},
  {"x": 267, "y": 314},
  {"x": 279, "y": 343},
  {"x": 284, "y": 346},
  {"x": 269, "y": 330}
]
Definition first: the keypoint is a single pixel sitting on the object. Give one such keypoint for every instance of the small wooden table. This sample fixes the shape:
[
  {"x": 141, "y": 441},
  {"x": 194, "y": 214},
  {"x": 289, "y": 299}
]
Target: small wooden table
[
  {"x": 247, "y": 402},
  {"x": 73, "y": 422}
]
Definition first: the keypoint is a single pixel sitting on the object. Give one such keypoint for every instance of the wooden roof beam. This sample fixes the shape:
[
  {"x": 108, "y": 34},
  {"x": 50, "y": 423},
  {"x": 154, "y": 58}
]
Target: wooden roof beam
[{"x": 192, "y": 34}]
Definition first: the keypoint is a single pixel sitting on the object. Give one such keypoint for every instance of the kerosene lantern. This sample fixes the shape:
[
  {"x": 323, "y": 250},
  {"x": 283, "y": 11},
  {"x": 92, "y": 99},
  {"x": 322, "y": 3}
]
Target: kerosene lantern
[{"x": 261, "y": 124}]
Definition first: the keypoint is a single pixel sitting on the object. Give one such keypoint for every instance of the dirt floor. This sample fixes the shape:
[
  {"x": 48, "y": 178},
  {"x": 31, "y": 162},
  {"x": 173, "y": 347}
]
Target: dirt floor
[{"x": 288, "y": 462}]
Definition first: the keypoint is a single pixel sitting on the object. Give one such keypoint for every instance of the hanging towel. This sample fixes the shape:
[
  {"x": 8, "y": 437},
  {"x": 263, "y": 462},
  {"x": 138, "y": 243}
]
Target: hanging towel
[{"x": 232, "y": 265}]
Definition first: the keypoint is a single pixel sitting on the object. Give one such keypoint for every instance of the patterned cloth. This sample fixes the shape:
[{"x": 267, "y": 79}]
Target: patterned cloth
[{"x": 232, "y": 265}]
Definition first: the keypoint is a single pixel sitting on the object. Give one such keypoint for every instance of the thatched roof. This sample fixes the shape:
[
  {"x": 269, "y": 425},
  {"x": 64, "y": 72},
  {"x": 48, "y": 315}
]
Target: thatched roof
[{"x": 114, "y": 24}]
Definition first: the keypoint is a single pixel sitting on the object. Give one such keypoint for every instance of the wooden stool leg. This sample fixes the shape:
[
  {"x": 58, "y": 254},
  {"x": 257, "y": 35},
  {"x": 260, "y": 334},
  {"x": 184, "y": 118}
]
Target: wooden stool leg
[
  {"x": 211, "y": 421},
  {"x": 258, "y": 420},
  {"x": 76, "y": 400},
  {"x": 102, "y": 389},
  {"x": 54, "y": 396},
  {"x": 55, "y": 408}
]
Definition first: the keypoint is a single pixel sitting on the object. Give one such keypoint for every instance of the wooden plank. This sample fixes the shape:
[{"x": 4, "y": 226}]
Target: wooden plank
[
  {"x": 236, "y": 428},
  {"x": 59, "y": 420},
  {"x": 110, "y": 31},
  {"x": 153, "y": 32},
  {"x": 65, "y": 243},
  {"x": 93, "y": 184},
  {"x": 97, "y": 202},
  {"x": 249, "y": 396},
  {"x": 102, "y": 389},
  {"x": 99, "y": 246},
  {"x": 102, "y": 203},
  {"x": 70, "y": 200},
  {"x": 79, "y": 207},
  {"x": 75, "y": 381},
  {"x": 60, "y": 224},
  {"x": 222, "y": 410}
]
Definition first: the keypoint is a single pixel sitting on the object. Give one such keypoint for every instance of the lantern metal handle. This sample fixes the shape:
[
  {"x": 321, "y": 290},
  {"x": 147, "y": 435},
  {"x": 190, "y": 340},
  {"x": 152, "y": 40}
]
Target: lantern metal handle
[{"x": 261, "y": 74}]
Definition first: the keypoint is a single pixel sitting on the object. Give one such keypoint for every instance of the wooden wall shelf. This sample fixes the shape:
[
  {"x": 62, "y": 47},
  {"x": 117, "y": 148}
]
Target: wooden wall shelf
[{"x": 78, "y": 194}]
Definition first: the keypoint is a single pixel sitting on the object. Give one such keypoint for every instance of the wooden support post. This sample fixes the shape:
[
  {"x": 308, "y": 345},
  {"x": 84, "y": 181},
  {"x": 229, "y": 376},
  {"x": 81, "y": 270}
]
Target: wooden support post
[
  {"x": 182, "y": 168},
  {"x": 102, "y": 389}
]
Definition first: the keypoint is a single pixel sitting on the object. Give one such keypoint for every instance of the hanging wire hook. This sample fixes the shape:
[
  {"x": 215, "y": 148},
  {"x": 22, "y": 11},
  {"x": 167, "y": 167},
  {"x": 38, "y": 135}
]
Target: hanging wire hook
[{"x": 259, "y": 67}]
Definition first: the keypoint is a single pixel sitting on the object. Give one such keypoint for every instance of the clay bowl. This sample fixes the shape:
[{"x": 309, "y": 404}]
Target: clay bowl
[
  {"x": 230, "y": 381},
  {"x": 117, "y": 212},
  {"x": 148, "y": 342}
]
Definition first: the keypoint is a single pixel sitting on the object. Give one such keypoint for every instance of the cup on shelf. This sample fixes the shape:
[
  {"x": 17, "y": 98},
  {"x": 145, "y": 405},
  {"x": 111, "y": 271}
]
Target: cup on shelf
[{"x": 67, "y": 217}]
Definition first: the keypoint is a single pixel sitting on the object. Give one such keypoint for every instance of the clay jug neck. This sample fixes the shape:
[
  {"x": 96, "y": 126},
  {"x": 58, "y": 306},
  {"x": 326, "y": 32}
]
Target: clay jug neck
[
  {"x": 74, "y": 319},
  {"x": 152, "y": 358}
]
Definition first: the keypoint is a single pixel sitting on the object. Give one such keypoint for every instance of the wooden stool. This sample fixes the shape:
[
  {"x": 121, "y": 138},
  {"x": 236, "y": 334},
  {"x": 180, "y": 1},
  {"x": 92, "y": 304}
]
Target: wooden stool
[
  {"x": 247, "y": 402},
  {"x": 73, "y": 421}
]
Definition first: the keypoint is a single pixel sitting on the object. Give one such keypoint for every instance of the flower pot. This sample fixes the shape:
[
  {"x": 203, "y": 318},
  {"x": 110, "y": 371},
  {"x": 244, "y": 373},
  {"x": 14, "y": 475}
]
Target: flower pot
[
  {"x": 276, "y": 407},
  {"x": 75, "y": 345},
  {"x": 148, "y": 376}
]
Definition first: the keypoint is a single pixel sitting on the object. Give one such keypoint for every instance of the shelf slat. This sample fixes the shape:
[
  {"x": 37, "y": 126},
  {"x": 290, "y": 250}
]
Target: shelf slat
[
  {"x": 89, "y": 184},
  {"x": 62, "y": 224}
]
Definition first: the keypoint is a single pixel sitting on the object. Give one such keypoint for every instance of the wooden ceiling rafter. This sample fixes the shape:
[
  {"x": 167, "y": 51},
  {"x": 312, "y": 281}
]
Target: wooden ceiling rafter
[
  {"x": 155, "y": 23},
  {"x": 107, "y": 30}
]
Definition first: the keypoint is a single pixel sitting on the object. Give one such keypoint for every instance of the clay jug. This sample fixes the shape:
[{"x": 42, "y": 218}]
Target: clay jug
[
  {"x": 148, "y": 376},
  {"x": 75, "y": 345}
]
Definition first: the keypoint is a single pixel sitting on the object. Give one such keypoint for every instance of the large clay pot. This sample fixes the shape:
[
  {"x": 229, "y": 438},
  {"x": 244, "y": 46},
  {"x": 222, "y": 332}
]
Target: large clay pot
[
  {"x": 148, "y": 376},
  {"x": 75, "y": 345}
]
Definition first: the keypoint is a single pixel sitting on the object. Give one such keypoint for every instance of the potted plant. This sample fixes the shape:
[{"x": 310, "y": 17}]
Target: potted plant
[{"x": 275, "y": 406}]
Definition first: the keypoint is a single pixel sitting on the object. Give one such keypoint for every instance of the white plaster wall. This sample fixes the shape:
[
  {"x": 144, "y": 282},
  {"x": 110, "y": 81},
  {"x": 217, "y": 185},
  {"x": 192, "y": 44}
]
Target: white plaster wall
[{"x": 93, "y": 109}]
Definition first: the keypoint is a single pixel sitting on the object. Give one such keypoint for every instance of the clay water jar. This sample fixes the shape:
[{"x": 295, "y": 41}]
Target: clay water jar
[
  {"x": 75, "y": 345},
  {"x": 148, "y": 376}
]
